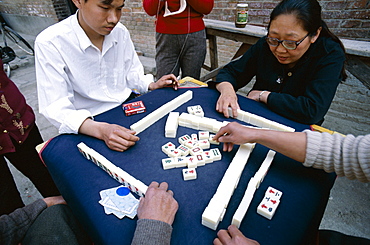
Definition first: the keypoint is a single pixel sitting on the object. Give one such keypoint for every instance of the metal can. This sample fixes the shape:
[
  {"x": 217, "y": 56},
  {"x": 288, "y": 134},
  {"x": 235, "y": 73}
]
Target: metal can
[{"x": 241, "y": 15}]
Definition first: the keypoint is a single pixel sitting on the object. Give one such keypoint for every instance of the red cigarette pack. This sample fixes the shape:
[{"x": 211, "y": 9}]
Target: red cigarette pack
[{"x": 133, "y": 108}]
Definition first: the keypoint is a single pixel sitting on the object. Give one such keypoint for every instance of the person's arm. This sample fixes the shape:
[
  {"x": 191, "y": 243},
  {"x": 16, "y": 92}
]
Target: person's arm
[
  {"x": 347, "y": 156},
  {"x": 201, "y": 6},
  {"x": 116, "y": 137},
  {"x": 55, "y": 102},
  {"x": 259, "y": 95},
  {"x": 292, "y": 145},
  {"x": 14, "y": 226},
  {"x": 56, "y": 97},
  {"x": 232, "y": 236},
  {"x": 320, "y": 77},
  {"x": 166, "y": 81},
  {"x": 235, "y": 75},
  {"x": 227, "y": 99},
  {"x": 156, "y": 213},
  {"x": 151, "y": 6},
  {"x": 55, "y": 92}
]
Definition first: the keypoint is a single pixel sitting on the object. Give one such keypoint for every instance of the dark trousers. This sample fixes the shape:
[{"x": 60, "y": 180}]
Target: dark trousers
[
  {"x": 180, "y": 51},
  {"x": 27, "y": 161},
  {"x": 56, "y": 225}
]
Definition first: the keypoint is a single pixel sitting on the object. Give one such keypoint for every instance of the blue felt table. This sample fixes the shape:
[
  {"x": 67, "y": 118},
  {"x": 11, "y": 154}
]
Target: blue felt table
[{"x": 305, "y": 190}]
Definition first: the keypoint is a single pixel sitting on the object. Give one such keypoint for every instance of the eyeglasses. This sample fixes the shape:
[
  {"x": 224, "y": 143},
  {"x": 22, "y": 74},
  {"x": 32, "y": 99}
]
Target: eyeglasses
[{"x": 288, "y": 44}]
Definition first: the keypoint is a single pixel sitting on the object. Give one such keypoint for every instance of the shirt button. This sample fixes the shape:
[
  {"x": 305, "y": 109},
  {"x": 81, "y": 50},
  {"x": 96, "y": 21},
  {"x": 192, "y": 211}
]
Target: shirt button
[
  {"x": 20, "y": 142},
  {"x": 290, "y": 74},
  {"x": 5, "y": 131}
]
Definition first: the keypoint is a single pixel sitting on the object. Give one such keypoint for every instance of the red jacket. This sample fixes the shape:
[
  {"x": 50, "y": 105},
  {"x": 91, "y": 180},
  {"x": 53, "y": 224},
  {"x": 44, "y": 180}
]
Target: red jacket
[
  {"x": 179, "y": 24},
  {"x": 16, "y": 117}
]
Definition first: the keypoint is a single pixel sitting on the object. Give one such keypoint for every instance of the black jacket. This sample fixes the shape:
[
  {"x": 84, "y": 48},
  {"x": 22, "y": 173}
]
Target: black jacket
[{"x": 305, "y": 92}]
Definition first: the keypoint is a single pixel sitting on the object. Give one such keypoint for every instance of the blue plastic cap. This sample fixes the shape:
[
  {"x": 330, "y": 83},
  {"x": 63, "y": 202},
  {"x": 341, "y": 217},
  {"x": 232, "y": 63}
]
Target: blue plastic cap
[{"x": 122, "y": 191}]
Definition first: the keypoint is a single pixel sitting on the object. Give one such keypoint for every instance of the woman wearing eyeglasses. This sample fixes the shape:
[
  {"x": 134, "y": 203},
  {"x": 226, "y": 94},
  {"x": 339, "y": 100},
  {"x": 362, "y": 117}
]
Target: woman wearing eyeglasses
[{"x": 298, "y": 65}]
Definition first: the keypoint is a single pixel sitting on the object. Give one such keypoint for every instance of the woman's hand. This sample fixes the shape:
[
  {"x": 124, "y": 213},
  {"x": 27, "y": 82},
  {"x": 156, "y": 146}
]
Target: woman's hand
[
  {"x": 258, "y": 95},
  {"x": 227, "y": 99}
]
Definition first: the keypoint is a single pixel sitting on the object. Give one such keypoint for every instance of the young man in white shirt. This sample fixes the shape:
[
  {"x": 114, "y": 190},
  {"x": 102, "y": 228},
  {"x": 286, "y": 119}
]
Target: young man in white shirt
[{"x": 86, "y": 65}]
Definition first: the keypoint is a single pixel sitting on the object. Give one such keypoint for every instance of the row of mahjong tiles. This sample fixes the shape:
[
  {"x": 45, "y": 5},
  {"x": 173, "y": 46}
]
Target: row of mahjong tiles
[
  {"x": 191, "y": 145},
  {"x": 115, "y": 172},
  {"x": 178, "y": 156},
  {"x": 170, "y": 106},
  {"x": 197, "y": 122},
  {"x": 167, "y": 109},
  {"x": 193, "y": 196},
  {"x": 188, "y": 144},
  {"x": 213, "y": 213},
  {"x": 215, "y": 210}
]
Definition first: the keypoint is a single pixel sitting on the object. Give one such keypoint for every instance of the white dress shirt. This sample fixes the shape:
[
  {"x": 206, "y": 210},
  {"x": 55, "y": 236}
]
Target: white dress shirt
[{"x": 75, "y": 80}]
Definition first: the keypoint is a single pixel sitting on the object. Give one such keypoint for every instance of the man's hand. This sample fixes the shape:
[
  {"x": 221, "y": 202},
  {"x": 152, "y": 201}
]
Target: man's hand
[
  {"x": 227, "y": 99},
  {"x": 158, "y": 204},
  {"x": 50, "y": 201},
  {"x": 232, "y": 236},
  {"x": 165, "y": 81},
  {"x": 116, "y": 137}
]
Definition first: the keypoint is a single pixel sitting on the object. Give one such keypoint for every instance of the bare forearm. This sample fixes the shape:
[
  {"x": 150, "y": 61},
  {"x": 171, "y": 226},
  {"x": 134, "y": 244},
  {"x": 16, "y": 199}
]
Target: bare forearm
[
  {"x": 292, "y": 145},
  {"x": 54, "y": 200},
  {"x": 225, "y": 87},
  {"x": 91, "y": 128},
  {"x": 116, "y": 137}
]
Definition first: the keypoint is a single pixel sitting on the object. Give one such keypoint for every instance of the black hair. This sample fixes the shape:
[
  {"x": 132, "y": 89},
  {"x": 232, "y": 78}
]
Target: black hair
[{"x": 308, "y": 12}]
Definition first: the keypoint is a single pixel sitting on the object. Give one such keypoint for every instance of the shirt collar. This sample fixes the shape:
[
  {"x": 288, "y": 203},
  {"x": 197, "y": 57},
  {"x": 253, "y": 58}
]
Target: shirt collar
[
  {"x": 84, "y": 40},
  {"x": 109, "y": 40}
]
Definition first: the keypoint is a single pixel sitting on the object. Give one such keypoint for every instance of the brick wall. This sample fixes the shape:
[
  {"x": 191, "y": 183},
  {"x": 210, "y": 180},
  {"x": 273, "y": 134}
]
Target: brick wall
[
  {"x": 347, "y": 18},
  {"x": 141, "y": 27}
]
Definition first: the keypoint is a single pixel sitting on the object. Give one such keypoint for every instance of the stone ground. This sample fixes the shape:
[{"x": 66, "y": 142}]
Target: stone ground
[{"x": 347, "y": 210}]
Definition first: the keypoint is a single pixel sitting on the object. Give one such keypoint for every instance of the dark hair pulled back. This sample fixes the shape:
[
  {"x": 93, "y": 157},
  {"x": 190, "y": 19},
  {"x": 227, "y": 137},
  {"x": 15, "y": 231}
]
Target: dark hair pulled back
[{"x": 308, "y": 12}]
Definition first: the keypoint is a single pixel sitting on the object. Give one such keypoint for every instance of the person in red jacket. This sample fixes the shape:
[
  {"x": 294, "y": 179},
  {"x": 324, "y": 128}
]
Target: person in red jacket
[
  {"x": 19, "y": 136},
  {"x": 180, "y": 35}
]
